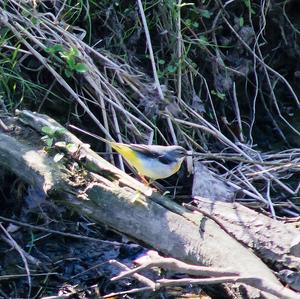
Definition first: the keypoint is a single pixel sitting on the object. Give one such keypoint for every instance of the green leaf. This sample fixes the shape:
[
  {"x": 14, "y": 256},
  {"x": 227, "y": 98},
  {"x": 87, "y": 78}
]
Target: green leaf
[
  {"x": 218, "y": 94},
  {"x": 48, "y": 131},
  {"x": 81, "y": 68},
  {"x": 35, "y": 21},
  {"x": 74, "y": 52},
  {"x": 15, "y": 53},
  {"x": 58, "y": 48},
  {"x": 205, "y": 13},
  {"x": 49, "y": 142},
  {"x": 60, "y": 132},
  {"x": 64, "y": 54},
  {"x": 55, "y": 49},
  {"x": 248, "y": 5},
  {"x": 241, "y": 21},
  {"x": 71, "y": 147},
  {"x": 203, "y": 40},
  {"x": 71, "y": 63},
  {"x": 171, "y": 69},
  {"x": 188, "y": 22},
  {"x": 68, "y": 73}
]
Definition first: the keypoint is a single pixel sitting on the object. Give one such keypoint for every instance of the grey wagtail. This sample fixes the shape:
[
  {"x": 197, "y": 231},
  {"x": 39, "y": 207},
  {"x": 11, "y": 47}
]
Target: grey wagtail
[{"x": 152, "y": 161}]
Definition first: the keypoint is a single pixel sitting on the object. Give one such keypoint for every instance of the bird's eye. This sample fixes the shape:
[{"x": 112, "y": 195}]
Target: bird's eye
[{"x": 181, "y": 152}]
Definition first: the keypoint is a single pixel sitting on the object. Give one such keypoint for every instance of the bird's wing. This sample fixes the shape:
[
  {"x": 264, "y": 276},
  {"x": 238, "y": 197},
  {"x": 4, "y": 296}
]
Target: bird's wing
[{"x": 153, "y": 151}]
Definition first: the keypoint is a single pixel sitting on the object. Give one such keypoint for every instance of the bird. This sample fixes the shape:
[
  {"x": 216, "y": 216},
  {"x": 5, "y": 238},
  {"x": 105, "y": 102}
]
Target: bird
[{"x": 151, "y": 161}]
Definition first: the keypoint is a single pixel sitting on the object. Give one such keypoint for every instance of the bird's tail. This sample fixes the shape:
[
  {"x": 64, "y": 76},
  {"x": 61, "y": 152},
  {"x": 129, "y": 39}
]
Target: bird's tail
[{"x": 92, "y": 135}]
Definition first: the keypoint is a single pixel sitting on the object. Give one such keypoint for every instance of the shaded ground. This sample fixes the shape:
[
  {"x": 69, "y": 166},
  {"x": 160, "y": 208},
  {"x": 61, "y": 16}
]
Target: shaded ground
[{"x": 65, "y": 265}]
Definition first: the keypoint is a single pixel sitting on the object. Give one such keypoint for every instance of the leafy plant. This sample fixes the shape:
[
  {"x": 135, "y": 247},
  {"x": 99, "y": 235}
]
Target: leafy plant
[
  {"x": 70, "y": 56},
  {"x": 218, "y": 94},
  {"x": 248, "y": 5},
  {"x": 51, "y": 134},
  {"x": 73, "y": 66}
]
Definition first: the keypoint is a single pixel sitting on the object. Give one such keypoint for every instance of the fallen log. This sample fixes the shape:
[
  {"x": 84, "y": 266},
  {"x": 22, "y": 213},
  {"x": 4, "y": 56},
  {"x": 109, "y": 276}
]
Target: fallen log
[
  {"x": 274, "y": 241},
  {"x": 107, "y": 196}
]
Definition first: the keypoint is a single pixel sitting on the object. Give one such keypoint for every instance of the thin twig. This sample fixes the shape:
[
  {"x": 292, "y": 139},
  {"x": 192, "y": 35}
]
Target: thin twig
[
  {"x": 149, "y": 44},
  {"x": 13, "y": 243},
  {"x": 69, "y": 235},
  {"x": 148, "y": 282}
]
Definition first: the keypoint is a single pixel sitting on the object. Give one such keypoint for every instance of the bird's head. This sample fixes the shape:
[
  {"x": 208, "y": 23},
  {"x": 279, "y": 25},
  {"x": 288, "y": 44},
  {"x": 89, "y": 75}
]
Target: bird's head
[{"x": 177, "y": 152}]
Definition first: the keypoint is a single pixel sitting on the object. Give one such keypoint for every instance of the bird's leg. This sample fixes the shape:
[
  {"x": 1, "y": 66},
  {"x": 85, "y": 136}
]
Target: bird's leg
[
  {"x": 150, "y": 182},
  {"x": 144, "y": 180}
]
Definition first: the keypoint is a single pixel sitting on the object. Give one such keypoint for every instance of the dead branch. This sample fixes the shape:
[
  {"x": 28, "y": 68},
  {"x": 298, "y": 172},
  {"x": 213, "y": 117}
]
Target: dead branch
[{"x": 153, "y": 259}]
